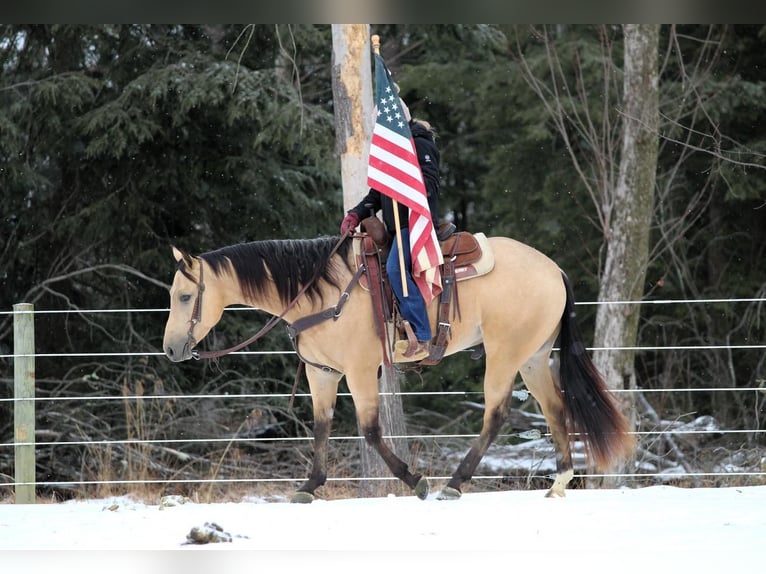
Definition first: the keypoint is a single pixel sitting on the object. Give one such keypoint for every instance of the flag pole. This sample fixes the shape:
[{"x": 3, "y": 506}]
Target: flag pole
[{"x": 376, "y": 49}]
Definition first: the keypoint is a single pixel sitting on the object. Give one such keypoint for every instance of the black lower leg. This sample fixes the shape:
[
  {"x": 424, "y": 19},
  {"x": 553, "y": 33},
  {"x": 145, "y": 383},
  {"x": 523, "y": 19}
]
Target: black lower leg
[
  {"x": 396, "y": 465},
  {"x": 318, "y": 474},
  {"x": 479, "y": 448}
]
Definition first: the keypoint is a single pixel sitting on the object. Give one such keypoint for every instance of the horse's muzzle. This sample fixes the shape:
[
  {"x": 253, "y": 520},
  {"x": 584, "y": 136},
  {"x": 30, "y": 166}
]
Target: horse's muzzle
[{"x": 178, "y": 353}]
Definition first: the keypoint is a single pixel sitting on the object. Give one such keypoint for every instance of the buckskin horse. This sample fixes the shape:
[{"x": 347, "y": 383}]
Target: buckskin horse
[{"x": 518, "y": 310}]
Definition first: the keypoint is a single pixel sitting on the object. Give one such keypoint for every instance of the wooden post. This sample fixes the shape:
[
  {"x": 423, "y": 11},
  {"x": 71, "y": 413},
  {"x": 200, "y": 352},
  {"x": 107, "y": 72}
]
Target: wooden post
[
  {"x": 24, "y": 401},
  {"x": 353, "y": 99}
]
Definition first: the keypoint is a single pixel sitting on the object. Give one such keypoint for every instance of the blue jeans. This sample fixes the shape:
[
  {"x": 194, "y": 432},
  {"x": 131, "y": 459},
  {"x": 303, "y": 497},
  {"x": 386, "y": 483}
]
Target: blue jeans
[{"x": 413, "y": 307}]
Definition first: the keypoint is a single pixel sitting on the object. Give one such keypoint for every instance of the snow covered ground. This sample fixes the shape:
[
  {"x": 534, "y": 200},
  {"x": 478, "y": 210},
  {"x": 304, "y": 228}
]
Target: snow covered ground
[{"x": 654, "y": 529}]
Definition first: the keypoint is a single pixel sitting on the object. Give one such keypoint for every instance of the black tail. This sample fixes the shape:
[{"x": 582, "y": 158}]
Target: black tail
[{"x": 591, "y": 411}]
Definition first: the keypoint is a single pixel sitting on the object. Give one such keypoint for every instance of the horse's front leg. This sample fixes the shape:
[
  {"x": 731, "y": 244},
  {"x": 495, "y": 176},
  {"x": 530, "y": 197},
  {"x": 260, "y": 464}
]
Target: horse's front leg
[
  {"x": 364, "y": 390},
  {"x": 417, "y": 482},
  {"x": 324, "y": 391}
]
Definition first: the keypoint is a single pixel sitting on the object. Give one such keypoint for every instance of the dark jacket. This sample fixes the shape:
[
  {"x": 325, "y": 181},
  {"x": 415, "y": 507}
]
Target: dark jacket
[{"x": 428, "y": 157}]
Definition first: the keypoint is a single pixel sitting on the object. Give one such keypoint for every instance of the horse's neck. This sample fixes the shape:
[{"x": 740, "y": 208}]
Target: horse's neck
[
  {"x": 268, "y": 300},
  {"x": 302, "y": 305},
  {"x": 227, "y": 290}
]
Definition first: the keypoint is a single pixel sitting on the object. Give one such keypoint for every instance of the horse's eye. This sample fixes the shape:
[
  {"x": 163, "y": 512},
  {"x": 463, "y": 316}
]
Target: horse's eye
[{"x": 185, "y": 298}]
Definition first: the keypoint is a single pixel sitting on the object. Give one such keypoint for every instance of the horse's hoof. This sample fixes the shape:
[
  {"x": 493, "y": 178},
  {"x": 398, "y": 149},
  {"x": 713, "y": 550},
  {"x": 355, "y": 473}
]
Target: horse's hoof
[
  {"x": 301, "y": 497},
  {"x": 422, "y": 489},
  {"x": 558, "y": 490},
  {"x": 555, "y": 493},
  {"x": 449, "y": 493}
]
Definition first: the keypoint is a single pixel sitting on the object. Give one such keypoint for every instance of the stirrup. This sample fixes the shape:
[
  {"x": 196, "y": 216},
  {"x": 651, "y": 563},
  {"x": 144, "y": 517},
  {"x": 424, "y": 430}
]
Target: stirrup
[
  {"x": 411, "y": 342},
  {"x": 404, "y": 353}
]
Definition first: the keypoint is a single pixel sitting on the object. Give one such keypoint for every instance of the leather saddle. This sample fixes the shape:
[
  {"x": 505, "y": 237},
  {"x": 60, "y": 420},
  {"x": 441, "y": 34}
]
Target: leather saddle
[{"x": 465, "y": 255}]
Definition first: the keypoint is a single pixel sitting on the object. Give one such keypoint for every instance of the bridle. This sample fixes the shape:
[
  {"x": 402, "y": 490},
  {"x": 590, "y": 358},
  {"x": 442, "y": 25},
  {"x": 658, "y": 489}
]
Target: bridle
[{"x": 196, "y": 315}]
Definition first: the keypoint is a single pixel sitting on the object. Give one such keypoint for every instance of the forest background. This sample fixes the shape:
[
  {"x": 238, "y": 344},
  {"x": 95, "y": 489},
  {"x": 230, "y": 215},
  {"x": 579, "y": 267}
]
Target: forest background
[{"x": 119, "y": 141}]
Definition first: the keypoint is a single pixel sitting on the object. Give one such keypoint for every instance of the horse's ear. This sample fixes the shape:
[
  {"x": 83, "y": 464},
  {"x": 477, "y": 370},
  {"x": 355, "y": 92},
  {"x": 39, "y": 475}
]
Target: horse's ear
[{"x": 178, "y": 254}]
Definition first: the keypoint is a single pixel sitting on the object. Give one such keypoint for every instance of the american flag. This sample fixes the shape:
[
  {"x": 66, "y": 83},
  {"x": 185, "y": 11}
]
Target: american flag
[{"x": 394, "y": 171}]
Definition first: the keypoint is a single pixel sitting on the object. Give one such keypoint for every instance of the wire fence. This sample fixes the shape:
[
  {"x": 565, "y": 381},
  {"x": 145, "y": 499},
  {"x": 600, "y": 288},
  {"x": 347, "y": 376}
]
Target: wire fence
[{"x": 667, "y": 431}]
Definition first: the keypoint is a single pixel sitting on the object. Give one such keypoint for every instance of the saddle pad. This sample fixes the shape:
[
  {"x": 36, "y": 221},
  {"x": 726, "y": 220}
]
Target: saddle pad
[{"x": 484, "y": 265}]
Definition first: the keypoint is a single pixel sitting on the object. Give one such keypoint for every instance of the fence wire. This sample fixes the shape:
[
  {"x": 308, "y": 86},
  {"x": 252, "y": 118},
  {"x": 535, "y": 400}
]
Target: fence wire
[{"x": 297, "y": 480}]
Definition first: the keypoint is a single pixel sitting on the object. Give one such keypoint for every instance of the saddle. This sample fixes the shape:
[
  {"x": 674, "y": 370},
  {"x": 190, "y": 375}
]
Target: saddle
[{"x": 465, "y": 256}]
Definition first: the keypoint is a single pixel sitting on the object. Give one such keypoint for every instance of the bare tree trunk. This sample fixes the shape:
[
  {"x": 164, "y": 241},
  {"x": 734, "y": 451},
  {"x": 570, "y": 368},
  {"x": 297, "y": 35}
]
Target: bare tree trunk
[
  {"x": 353, "y": 103},
  {"x": 628, "y": 218}
]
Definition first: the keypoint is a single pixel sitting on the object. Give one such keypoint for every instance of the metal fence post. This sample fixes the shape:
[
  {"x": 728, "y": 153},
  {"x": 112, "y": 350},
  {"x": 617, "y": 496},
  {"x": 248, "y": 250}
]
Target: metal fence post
[{"x": 24, "y": 401}]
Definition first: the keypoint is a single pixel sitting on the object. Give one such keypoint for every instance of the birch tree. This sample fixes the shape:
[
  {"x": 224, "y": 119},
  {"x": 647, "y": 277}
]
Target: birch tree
[
  {"x": 621, "y": 193},
  {"x": 622, "y": 190},
  {"x": 628, "y": 214}
]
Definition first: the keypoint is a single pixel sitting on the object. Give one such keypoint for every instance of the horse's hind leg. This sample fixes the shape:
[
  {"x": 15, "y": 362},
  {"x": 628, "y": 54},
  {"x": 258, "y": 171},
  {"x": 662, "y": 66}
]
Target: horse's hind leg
[
  {"x": 324, "y": 390},
  {"x": 542, "y": 382}
]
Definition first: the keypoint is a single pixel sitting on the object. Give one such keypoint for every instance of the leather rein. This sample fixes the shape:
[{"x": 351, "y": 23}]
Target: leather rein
[{"x": 303, "y": 323}]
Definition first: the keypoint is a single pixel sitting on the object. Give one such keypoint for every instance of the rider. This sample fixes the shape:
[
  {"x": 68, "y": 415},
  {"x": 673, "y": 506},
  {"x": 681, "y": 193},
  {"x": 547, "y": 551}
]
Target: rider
[{"x": 413, "y": 307}]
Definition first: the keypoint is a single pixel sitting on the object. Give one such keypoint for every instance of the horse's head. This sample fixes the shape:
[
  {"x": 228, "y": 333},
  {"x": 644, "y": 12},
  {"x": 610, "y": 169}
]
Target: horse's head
[{"x": 194, "y": 307}]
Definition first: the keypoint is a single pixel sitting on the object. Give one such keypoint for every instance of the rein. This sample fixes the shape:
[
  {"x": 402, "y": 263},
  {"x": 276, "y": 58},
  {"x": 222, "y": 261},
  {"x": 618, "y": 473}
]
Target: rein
[
  {"x": 333, "y": 313},
  {"x": 270, "y": 324}
]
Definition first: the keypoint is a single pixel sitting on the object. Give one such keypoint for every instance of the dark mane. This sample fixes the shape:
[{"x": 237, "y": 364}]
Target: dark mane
[{"x": 290, "y": 263}]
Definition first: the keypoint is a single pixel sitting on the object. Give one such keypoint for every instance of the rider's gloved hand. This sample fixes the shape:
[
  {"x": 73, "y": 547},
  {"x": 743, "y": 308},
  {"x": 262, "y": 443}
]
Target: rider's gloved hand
[{"x": 349, "y": 222}]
